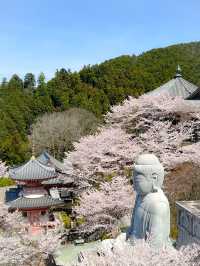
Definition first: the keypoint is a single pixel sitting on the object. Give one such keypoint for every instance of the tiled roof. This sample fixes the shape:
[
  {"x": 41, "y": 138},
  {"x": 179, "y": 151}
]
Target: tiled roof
[
  {"x": 32, "y": 170},
  {"x": 176, "y": 87},
  {"x": 34, "y": 203},
  {"x": 59, "y": 180},
  {"x": 46, "y": 159}
]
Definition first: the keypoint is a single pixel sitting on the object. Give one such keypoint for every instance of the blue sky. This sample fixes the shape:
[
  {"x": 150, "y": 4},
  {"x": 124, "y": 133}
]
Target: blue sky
[{"x": 44, "y": 35}]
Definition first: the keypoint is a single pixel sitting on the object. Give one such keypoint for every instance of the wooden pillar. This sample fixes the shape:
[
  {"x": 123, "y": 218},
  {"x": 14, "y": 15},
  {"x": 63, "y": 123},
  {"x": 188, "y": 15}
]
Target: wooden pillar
[{"x": 34, "y": 216}]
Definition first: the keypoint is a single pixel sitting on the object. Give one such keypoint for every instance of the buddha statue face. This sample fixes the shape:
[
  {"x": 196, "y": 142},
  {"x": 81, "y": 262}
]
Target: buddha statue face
[{"x": 148, "y": 174}]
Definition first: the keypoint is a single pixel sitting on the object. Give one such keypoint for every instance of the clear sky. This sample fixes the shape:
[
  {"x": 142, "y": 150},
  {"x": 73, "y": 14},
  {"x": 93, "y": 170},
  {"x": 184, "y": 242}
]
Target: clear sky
[{"x": 44, "y": 35}]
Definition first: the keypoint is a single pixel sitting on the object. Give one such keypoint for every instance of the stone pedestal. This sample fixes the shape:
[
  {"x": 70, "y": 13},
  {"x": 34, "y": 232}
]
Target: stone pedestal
[{"x": 188, "y": 222}]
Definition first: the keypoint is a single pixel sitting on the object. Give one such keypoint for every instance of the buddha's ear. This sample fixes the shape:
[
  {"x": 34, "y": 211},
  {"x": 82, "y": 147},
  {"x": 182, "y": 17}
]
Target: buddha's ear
[
  {"x": 155, "y": 182},
  {"x": 154, "y": 187},
  {"x": 155, "y": 176}
]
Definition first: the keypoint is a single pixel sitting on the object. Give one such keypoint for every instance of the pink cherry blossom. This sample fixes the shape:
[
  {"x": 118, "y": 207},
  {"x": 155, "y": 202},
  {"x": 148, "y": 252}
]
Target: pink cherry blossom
[
  {"x": 3, "y": 169},
  {"x": 105, "y": 206}
]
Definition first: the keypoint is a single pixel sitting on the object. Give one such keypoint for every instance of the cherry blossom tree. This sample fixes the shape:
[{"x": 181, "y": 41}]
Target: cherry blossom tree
[
  {"x": 11, "y": 222},
  {"x": 49, "y": 242},
  {"x": 21, "y": 249},
  {"x": 3, "y": 169},
  {"x": 121, "y": 253},
  {"x": 166, "y": 140},
  {"x": 105, "y": 206},
  {"x": 154, "y": 124},
  {"x": 14, "y": 251},
  {"x": 157, "y": 106},
  {"x": 103, "y": 153},
  {"x": 159, "y": 124}
]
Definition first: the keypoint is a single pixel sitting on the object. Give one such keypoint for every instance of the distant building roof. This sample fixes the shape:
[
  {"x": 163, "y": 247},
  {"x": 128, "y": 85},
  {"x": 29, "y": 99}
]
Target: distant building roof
[
  {"x": 34, "y": 203},
  {"x": 60, "y": 180},
  {"x": 46, "y": 159},
  {"x": 177, "y": 86},
  {"x": 33, "y": 170}
]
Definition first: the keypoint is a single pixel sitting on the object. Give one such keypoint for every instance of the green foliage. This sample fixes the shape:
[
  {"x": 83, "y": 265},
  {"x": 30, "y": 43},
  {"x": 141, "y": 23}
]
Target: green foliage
[
  {"x": 80, "y": 221},
  {"x": 173, "y": 222},
  {"x": 108, "y": 178},
  {"x": 29, "y": 81},
  {"x": 67, "y": 90},
  {"x": 128, "y": 172},
  {"x": 16, "y": 116},
  {"x": 65, "y": 219},
  {"x": 5, "y": 182},
  {"x": 15, "y": 83},
  {"x": 41, "y": 79},
  {"x": 146, "y": 71},
  {"x": 105, "y": 236},
  {"x": 94, "y": 88},
  {"x": 76, "y": 201}
]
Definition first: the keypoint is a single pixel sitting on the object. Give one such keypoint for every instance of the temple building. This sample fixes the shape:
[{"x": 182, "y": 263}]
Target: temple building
[
  {"x": 46, "y": 159},
  {"x": 64, "y": 172},
  {"x": 43, "y": 181},
  {"x": 178, "y": 86}
]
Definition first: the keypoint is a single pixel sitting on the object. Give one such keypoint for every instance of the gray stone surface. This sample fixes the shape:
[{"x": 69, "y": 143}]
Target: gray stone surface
[
  {"x": 188, "y": 222},
  {"x": 151, "y": 213}
]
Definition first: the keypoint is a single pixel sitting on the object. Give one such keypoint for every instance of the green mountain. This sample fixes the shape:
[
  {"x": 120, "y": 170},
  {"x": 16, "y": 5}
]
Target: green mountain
[
  {"x": 94, "y": 88},
  {"x": 146, "y": 71}
]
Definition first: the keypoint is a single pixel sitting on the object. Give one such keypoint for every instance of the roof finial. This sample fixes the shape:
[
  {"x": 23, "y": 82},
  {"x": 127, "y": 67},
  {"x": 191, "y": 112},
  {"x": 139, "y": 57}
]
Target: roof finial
[
  {"x": 178, "y": 72},
  {"x": 32, "y": 157}
]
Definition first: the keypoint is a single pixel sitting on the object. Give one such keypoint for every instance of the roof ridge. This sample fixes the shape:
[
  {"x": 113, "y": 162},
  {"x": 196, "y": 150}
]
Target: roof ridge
[
  {"x": 33, "y": 169},
  {"x": 27, "y": 203},
  {"x": 193, "y": 94},
  {"x": 53, "y": 158},
  {"x": 29, "y": 162},
  {"x": 182, "y": 79},
  {"x": 22, "y": 166},
  {"x": 158, "y": 88},
  {"x": 176, "y": 86},
  {"x": 44, "y": 166}
]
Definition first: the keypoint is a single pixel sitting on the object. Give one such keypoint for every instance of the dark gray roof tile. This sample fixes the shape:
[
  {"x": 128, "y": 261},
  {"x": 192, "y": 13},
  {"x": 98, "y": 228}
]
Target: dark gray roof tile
[
  {"x": 176, "y": 87},
  {"x": 34, "y": 203},
  {"x": 46, "y": 159},
  {"x": 61, "y": 179},
  {"x": 32, "y": 170}
]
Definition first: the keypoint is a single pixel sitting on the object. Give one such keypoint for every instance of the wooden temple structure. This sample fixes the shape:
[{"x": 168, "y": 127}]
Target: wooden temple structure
[{"x": 45, "y": 184}]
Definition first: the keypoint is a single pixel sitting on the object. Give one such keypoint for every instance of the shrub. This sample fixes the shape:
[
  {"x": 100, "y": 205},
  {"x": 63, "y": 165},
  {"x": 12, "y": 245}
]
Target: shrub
[
  {"x": 80, "y": 220},
  {"x": 66, "y": 220},
  {"x": 5, "y": 181}
]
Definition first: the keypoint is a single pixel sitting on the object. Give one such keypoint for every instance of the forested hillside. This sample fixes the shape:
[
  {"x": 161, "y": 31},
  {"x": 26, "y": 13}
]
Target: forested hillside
[{"x": 94, "y": 88}]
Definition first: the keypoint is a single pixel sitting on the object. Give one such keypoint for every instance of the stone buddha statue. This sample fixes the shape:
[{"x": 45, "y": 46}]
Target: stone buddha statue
[{"x": 151, "y": 213}]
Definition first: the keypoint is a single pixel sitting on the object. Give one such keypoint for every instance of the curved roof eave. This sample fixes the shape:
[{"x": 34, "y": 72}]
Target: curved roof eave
[
  {"x": 32, "y": 170},
  {"x": 176, "y": 87}
]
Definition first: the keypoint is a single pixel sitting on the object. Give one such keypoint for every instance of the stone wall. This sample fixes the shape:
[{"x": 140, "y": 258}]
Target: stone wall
[
  {"x": 188, "y": 222},
  {"x": 2, "y": 194}
]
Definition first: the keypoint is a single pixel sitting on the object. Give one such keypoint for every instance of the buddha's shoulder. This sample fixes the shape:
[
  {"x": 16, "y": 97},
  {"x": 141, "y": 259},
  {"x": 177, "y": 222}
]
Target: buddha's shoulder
[{"x": 157, "y": 203}]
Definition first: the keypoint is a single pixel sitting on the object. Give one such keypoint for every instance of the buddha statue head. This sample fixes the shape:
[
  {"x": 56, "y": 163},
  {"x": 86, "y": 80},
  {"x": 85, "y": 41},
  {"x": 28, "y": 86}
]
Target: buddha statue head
[{"x": 148, "y": 174}]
